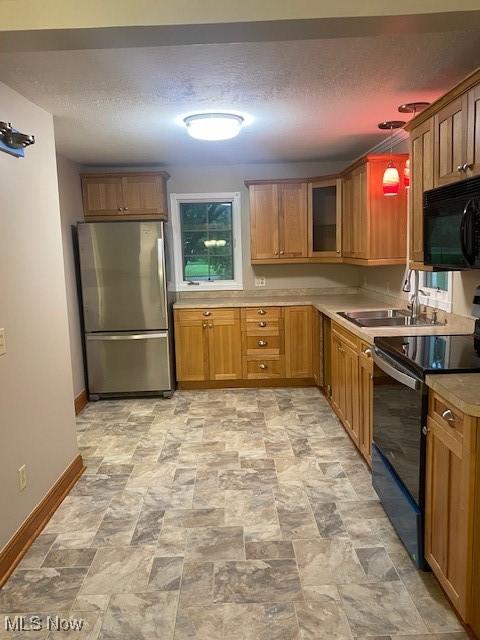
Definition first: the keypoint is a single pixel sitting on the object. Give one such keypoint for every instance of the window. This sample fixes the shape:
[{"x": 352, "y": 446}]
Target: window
[
  {"x": 438, "y": 287},
  {"x": 207, "y": 241}
]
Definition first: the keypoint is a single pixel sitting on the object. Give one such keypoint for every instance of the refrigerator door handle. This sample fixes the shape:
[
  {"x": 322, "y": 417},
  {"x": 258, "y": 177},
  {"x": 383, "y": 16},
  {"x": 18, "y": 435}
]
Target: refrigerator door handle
[
  {"x": 162, "y": 283},
  {"x": 129, "y": 336}
]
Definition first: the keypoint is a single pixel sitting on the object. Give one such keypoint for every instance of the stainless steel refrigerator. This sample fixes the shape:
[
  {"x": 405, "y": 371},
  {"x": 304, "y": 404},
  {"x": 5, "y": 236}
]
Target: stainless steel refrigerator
[{"x": 126, "y": 308}]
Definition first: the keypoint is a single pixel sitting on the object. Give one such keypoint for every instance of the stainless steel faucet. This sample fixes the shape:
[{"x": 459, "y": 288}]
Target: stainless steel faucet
[{"x": 413, "y": 302}]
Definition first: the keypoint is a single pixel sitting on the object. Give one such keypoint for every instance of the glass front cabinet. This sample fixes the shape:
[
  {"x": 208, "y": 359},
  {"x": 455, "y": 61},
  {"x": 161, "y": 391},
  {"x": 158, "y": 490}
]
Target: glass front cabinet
[{"x": 324, "y": 219}]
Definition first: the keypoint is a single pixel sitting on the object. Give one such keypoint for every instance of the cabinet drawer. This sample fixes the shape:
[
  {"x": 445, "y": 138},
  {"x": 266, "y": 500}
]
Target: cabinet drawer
[
  {"x": 447, "y": 415},
  {"x": 259, "y": 327},
  {"x": 189, "y": 316},
  {"x": 269, "y": 367},
  {"x": 254, "y": 314},
  {"x": 256, "y": 345},
  {"x": 347, "y": 337}
]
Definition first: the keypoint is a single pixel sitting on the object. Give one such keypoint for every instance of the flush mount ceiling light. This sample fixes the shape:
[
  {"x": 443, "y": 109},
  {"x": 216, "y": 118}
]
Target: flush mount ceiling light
[
  {"x": 391, "y": 179},
  {"x": 213, "y": 126}
]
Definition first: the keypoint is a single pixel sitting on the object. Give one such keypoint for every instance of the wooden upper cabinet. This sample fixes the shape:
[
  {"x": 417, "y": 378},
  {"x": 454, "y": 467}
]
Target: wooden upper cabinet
[
  {"x": 473, "y": 132},
  {"x": 264, "y": 240},
  {"x": 125, "y": 195},
  {"x": 450, "y": 133},
  {"x": 374, "y": 226},
  {"x": 421, "y": 179},
  {"x": 325, "y": 218},
  {"x": 292, "y": 219},
  {"x": 102, "y": 195},
  {"x": 144, "y": 194}
]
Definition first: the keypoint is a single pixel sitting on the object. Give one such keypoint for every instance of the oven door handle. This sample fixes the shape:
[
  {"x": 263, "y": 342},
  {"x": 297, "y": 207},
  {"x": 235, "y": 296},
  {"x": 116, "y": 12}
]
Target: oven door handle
[{"x": 393, "y": 372}]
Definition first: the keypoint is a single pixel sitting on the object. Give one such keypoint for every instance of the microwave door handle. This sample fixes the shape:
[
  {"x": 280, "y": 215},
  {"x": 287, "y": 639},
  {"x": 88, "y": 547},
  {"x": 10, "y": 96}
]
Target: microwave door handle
[{"x": 464, "y": 232}]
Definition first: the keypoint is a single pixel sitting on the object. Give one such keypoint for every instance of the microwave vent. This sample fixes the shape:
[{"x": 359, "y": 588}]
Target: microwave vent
[{"x": 469, "y": 188}]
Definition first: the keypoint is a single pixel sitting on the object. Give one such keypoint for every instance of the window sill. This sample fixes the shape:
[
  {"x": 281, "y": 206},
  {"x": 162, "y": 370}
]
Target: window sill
[
  {"x": 436, "y": 303},
  {"x": 220, "y": 286}
]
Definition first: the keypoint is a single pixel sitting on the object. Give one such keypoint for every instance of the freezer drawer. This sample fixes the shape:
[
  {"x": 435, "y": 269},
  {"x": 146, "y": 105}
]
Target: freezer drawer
[{"x": 128, "y": 362}]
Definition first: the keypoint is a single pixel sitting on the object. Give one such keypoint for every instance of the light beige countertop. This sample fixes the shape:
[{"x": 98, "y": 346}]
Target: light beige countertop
[
  {"x": 461, "y": 389},
  {"x": 330, "y": 305}
]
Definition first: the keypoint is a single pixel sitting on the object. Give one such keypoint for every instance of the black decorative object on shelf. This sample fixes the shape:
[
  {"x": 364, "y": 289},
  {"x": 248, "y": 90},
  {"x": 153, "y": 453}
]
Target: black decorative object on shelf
[{"x": 13, "y": 141}]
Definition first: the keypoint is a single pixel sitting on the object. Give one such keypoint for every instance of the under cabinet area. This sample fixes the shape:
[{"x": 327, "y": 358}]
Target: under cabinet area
[
  {"x": 125, "y": 195},
  {"x": 249, "y": 346}
]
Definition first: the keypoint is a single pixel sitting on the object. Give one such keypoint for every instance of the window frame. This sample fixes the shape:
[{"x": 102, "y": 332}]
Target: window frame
[
  {"x": 436, "y": 298},
  {"x": 176, "y": 199}
]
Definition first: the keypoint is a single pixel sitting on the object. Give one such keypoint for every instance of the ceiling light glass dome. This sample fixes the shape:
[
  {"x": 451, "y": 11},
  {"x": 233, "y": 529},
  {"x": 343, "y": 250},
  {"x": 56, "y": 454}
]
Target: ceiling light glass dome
[{"x": 214, "y": 126}]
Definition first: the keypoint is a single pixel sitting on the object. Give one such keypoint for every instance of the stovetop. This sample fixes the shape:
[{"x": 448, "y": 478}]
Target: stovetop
[{"x": 434, "y": 354}]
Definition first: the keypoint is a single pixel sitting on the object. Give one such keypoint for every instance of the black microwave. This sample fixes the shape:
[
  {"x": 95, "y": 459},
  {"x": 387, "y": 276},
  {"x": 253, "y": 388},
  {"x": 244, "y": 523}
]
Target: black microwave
[{"x": 451, "y": 226}]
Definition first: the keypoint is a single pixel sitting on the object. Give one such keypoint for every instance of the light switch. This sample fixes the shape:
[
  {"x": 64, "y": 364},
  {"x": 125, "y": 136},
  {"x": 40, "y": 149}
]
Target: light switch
[{"x": 3, "y": 344}]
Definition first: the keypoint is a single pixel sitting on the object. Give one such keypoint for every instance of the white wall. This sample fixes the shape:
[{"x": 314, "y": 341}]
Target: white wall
[
  {"x": 71, "y": 211},
  {"x": 37, "y": 426}
]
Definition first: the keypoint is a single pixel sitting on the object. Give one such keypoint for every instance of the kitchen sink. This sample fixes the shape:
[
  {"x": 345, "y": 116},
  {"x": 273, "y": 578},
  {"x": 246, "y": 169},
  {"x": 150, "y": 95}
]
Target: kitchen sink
[
  {"x": 388, "y": 318},
  {"x": 381, "y": 313}
]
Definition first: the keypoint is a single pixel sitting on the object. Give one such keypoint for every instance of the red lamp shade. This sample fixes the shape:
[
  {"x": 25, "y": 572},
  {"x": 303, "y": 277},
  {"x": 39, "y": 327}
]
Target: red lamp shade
[
  {"x": 406, "y": 174},
  {"x": 391, "y": 180}
]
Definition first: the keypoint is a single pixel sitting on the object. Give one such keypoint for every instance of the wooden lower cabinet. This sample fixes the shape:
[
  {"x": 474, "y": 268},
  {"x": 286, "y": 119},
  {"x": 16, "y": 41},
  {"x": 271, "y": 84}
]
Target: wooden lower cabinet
[
  {"x": 225, "y": 346},
  {"x": 351, "y": 387},
  {"x": 450, "y": 501},
  {"x": 365, "y": 405},
  {"x": 230, "y": 346},
  {"x": 208, "y": 345},
  {"x": 298, "y": 342}
]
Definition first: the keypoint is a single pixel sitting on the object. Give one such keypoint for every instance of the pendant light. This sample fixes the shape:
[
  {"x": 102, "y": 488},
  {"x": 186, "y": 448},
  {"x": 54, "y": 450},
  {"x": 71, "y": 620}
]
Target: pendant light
[
  {"x": 391, "y": 179},
  {"x": 410, "y": 107}
]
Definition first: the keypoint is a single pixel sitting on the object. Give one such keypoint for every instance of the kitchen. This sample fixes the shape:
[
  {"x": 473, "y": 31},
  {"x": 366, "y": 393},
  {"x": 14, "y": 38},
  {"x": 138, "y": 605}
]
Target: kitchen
[{"x": 275, "y": 363}]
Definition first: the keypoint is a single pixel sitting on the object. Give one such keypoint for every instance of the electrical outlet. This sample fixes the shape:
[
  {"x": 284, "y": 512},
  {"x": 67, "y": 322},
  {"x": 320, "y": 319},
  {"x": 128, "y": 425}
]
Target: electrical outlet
[
  {"x": 3, "y": 342},
  {"x": 22, "y": 477},
  {"x": 260, "y": 281}
]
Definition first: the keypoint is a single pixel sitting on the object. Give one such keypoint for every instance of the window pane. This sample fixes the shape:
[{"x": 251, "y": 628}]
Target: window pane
[
  {"x": 207, "y": 240},
  {"x": 437, "y": 280}
]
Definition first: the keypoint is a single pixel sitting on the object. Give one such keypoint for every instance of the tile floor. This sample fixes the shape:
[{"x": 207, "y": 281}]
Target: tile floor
[{"x": 239, "y": 515}]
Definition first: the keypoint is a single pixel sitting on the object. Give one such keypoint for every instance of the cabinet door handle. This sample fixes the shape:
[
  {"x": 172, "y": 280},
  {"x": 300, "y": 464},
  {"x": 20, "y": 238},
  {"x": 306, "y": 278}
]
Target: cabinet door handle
[
  {"x": 125, "y": 208},
  {"x": 262, "y": 343},
  {"x": 263, "y": 366},
  {"x": 460, "y": 167},
  {"x": 448, "y": 416},
  {"x": 425, "y": 430},
  {"x": 204, "y": 325},
  {"x": 262, "y": 323},
  {"x": 275, "y": 253},
  {"x": 282, "y": 252},
  {"x": 261, "y": 312},
  {"x": 468, "y": 166},
  {"x": 367, "y": 352},
  {"x": 119, "y": 209},
  {"x": 207, "y": 313},
  {"x": 210, "y": 325}
]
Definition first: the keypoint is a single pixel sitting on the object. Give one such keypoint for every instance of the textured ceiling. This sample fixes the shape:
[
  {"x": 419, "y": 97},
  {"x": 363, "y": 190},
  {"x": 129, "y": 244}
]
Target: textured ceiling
[{"x": 309, "y": 100}]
